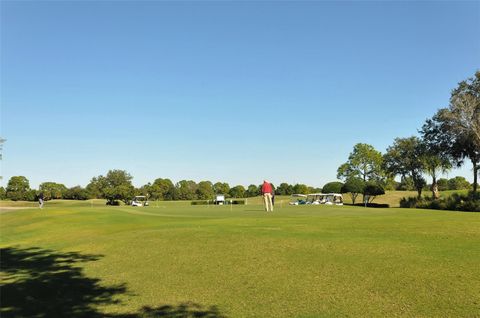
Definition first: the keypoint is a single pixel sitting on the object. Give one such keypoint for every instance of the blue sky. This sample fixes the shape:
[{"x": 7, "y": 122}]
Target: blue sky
[{"x": 230, "y": 91}]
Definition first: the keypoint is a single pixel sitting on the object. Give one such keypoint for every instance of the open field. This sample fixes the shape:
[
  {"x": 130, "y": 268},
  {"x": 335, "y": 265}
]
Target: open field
[{"x": 83, "y": 259}]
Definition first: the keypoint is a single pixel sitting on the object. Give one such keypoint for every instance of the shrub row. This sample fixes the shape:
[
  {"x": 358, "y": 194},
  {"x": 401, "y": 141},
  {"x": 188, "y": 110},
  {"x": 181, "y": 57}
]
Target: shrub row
[
  {"x": 455, "y": 202},
  {"x": 373, "y": 205}
]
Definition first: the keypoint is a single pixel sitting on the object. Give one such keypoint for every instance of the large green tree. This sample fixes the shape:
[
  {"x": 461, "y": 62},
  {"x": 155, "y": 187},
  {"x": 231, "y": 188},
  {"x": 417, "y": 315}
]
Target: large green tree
[
  {"x": 96, "y": 187},
  {"x": 221, "y": 188},
  {"x": 405, "y": 158},
  {"x": 354, "y": 186},
  {"x": 332, "y": 187},
  {"x": 252, "y": 191},
  {"x": 458, "y": 183},
  {"x": 300, "y": 188},
  {"x": 435, "y": 162},
  {"x": 186, "y": 190},
  {"x": 117, "y": 185},
  {"x": 205, "y": 190},
  {"x": 52, "y": 190},
  {"x": 237, "y": 192},
  {"x": 456, "y": 129},
  {"x": 162, "y": 189},
  {"x": 285, "y": 189},
  {"x": 18, "y": 188},
  {"x": 364, "y": 162}
]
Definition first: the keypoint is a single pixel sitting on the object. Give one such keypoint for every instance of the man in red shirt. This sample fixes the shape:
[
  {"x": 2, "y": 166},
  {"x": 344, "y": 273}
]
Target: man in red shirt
[{"x": 267, "y": 195}]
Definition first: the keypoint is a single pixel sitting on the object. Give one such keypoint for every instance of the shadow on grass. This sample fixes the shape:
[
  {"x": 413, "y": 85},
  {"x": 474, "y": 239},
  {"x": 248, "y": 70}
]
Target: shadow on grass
[{"x": 44, "y": 283}]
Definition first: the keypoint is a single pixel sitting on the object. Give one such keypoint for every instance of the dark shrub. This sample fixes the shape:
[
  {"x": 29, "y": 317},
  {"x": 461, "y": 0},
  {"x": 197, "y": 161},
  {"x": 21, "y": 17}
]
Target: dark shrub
[
  {"x": 456, "y": 202},
  {"x": 332, "y": 187}
]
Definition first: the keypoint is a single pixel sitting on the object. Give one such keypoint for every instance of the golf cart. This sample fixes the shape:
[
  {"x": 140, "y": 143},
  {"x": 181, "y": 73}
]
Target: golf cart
[
  {"x": 219, "y": 199},
  {"x": 325, "y": 198},
  {"x": 298, "y": 199},
  {"x": 139, "y": 200}
]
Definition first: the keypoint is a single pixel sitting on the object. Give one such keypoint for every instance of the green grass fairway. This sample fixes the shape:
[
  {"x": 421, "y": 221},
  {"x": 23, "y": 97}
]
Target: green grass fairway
[{"x": 82, "y": 259}]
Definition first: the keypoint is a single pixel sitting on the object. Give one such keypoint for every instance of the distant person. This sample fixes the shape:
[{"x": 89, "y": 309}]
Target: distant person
[
  {"x": 40, "y": 200},
  {"x": 267, "y": 195},
  {"x": 273, "y": 196}
]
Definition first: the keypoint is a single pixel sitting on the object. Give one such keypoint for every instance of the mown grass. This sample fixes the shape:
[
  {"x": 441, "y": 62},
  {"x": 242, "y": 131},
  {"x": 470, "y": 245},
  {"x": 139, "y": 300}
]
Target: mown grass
[{"x": 300, "y": 261}]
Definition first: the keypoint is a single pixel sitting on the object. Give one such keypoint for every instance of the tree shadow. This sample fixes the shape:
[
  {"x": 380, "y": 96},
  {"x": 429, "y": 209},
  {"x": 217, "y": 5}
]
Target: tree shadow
[{"x": 42, "y": 283}]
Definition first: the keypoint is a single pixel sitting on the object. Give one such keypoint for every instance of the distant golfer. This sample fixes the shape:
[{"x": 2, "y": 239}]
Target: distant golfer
[
  {"x": 267, "y": 195},
  {"x": 40, "y": 200}
]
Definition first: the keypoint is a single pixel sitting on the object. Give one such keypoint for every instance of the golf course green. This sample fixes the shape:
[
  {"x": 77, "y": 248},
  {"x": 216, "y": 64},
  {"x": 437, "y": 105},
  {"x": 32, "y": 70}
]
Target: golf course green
[{"x": 171, "y": 259}]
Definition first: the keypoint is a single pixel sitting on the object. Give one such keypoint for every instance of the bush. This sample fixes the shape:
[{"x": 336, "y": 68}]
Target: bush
[
  {"x": 456, "y": 202},
  {"x": 201, "y": 202},
  {"x": 333, "y": 187},
  {"x": 373, "y": 205}
]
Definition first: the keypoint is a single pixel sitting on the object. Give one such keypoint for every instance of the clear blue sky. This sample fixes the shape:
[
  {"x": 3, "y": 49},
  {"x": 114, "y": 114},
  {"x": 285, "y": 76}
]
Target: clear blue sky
[{"x": 230, "y": 91}]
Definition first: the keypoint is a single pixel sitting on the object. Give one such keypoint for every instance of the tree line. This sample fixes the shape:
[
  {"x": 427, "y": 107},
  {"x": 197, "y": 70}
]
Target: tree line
[
  {"x": 117, "y": 185},
  {"x": 448, "y": 139}
]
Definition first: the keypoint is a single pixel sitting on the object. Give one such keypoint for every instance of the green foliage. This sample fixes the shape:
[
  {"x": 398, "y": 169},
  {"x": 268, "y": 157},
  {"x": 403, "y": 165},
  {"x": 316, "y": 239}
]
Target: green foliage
[
  {"x": 96, "y": 187},
  {"x": 458, "y": 183},
  {"x": 333, "y": 187},
  {"x": 252, "y": 191},
  {"x": 442, "y": 184},
  {"x": 456, "y": 129},
  {"x": 3, "y": 194},
  {"x": 116, "y": 185},
  {"x": 406, "y": 158},
  {"x": 363, "y": 162},
  {"x": 237, "y": 192},
  {"x": 76, "y": 193},
  {"x": 52, "y": 190},
  {"x": 300, "y": 188},
  {"x": 18, "y": 188},
  {"x": 455, "y": 202},
  {"x": 221, "y": 188},
  {"x": 205, "y": 190},
  {"x": 186, "y": 190},
  {"x": 354, "y": 186},
  {"x": 161, "y": 189},
  {"x": 285, "y": 189}
]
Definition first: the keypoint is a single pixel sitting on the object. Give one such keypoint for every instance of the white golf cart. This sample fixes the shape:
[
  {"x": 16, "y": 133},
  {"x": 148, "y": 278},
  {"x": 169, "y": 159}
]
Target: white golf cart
[
  {"x": 219, "y": 199},
  {"x": 139, "y": 200},
  {"x": 325, "y": 198}
]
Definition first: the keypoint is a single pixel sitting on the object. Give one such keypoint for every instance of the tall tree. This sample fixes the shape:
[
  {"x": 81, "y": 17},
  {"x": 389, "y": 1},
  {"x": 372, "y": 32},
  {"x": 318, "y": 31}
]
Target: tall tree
[
  {"x": 405, "y": 158},
  {"x": 354, "y": 186},
  {"x": 52, "y": 190},
  {"x": 162, "y": 189},
  {"x": 221, "y": 188},
  {"x": 284, "y": 189},
  {"x": 456, "y": 129},
  {"x": 18, "y": 188},
  {"x": 205, "y": 190},
  {"x": 363, "y": 162},
  {"x": 435, "y": 162},
  {"x": 237, "y": 192},
  {"x": 186, "y": 190},
  {"x": 252, "y": 191},
  {"x": 116, "y": 185}
]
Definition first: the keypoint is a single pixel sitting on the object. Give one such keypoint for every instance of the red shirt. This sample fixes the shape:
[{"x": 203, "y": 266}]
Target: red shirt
[{"x": 266, "y": 188}]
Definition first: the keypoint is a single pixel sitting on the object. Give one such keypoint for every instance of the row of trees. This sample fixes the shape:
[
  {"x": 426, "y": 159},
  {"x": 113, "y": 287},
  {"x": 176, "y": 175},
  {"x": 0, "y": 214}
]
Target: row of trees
[
  {"x": 117, "y": 185},
  {"x": 448, "y": 139}
]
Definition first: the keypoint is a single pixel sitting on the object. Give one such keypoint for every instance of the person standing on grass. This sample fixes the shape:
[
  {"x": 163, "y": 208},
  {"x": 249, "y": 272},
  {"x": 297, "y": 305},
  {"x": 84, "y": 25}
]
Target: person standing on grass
[
  {"x": 40, "y": 200},
  {"x": 267, "y": 195}
]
